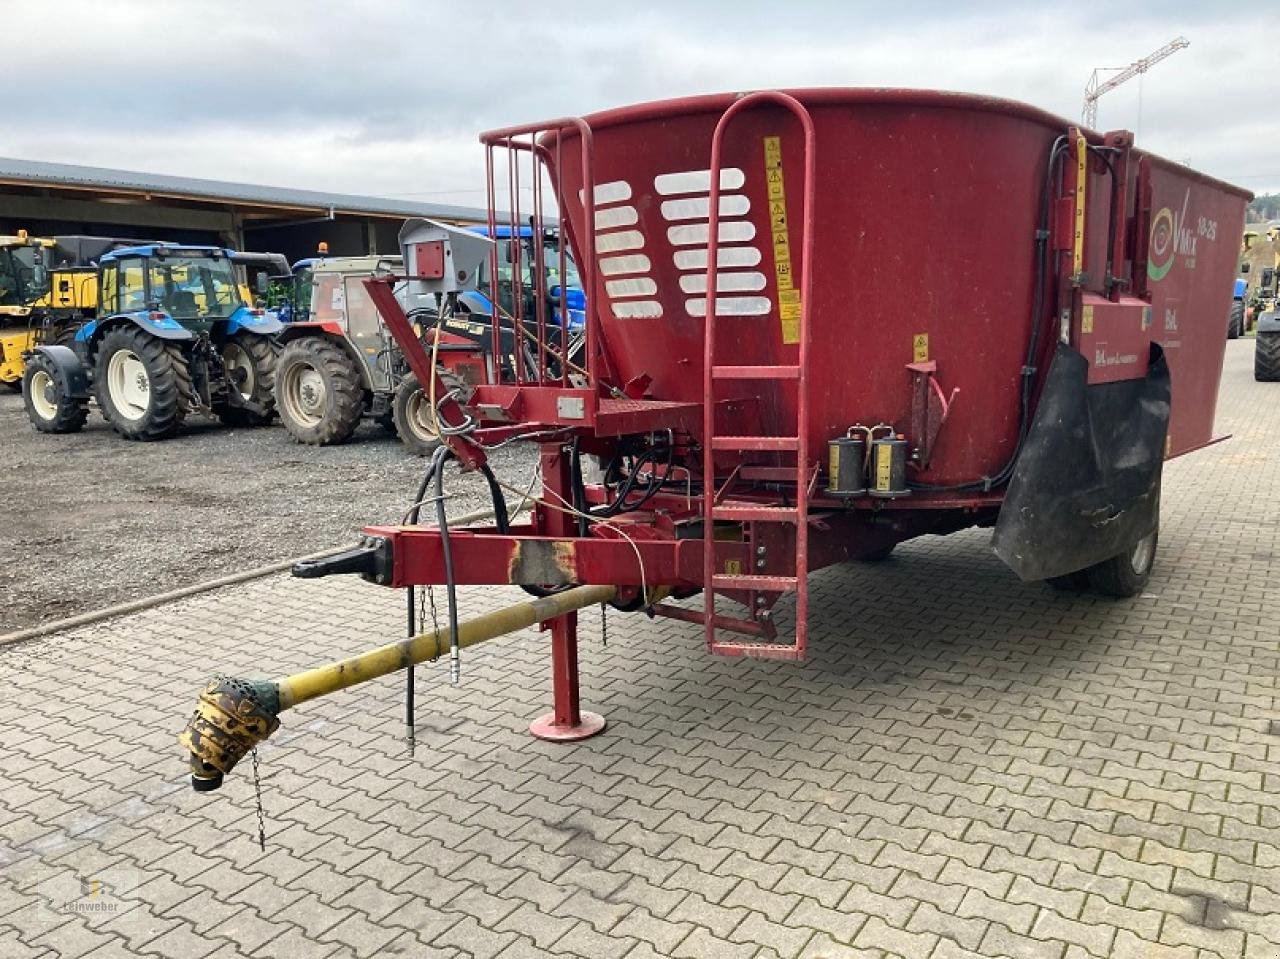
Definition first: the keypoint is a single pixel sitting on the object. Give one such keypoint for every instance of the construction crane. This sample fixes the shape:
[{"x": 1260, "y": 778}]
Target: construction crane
[{"x": 1096, "y": 86}]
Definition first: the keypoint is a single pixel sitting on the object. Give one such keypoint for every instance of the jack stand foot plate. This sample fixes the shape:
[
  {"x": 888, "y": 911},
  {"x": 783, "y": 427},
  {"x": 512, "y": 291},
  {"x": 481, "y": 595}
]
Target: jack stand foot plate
[{"x": 545, "y": 727}]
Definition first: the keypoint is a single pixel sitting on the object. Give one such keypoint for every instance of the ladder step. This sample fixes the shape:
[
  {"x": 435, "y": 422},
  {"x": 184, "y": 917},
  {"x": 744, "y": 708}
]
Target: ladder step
[
  {"x": 755, "y": 372},
  {"x": 772, "y": 584},
  {"x": 758, "y": 650},
  {"x": 745, "y": 443},
  {"x": 756, "y": 514}
]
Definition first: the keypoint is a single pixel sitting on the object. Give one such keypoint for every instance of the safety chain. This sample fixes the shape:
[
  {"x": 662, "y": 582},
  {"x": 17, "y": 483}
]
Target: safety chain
[
  {"x": 604, "y": 624},
  {"x": 257, "y": 795},
  {"x": 435, "y": 618}
]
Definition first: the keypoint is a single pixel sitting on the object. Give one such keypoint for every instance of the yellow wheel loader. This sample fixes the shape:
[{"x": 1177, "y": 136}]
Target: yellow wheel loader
[{"x": 48, "y": 288}]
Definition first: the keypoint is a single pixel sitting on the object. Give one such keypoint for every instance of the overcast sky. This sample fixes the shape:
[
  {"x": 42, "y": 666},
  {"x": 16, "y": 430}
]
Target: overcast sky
[{"x": 387, "y": 97}]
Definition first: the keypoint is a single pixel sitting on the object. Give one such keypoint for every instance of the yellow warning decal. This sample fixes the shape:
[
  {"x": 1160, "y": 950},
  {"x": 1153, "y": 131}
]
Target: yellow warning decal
[
  {"x": 788, "y": 295},
  {"x": 920, "y": 348},
  {"x": 1086, "y": 319},
  {"x": 833, "y": 466},
  {"x": 1082, "y": 172},
  {"x": 733, "y": 567},
  {"x": 884, "y": 468}
]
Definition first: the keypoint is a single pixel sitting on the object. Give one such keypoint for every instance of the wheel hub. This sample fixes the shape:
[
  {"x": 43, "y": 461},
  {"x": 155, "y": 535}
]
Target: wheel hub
[
  {"x": 304, "y": 396},
  {"x": 418, "y": 410},
  {"x": 128, "y": 384},
  {"x": 1142, "y": 553},
  {"x": 239, "y": 369},
  {"x": 311, "y": 387},
  {"x": 44, "y": 395}
]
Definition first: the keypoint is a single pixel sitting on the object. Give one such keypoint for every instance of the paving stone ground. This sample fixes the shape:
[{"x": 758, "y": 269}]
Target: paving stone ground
[{"x": 967, "y": 766}]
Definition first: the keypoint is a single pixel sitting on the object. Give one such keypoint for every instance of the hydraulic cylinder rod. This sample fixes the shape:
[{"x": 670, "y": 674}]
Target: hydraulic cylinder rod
[{"x": 233, "y": 715}]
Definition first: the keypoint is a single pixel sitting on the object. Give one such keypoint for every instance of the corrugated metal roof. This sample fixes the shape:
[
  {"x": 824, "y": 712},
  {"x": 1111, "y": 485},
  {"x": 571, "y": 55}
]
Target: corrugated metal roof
[{"x": 38, "y": 173}]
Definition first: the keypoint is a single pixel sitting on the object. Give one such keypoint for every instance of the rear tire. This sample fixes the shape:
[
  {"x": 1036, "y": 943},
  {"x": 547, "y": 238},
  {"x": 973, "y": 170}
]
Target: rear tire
[
  {"x": 1266, "y": 358},
  {"x": 1076, "y": 582},
  {"x": 318, "y": 390},
  {"x": 412, "y": 413},
  {"x": 1235, "y": 325},
  {"x": 1126, "y": 575},
  {"x": 879, "y": 556},
  {"x": 50, "y": 405},
  {"x": 249, "y": 362},
  {"x": 143, "y": 384}
]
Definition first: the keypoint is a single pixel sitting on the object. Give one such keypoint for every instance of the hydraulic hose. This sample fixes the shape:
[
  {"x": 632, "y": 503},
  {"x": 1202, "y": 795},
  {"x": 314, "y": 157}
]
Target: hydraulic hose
[{"x": 1027, "y": 375}]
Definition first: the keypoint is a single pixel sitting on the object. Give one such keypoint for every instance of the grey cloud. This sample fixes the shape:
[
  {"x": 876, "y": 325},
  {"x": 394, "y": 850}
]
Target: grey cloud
[{"x": 389, "y": 96}]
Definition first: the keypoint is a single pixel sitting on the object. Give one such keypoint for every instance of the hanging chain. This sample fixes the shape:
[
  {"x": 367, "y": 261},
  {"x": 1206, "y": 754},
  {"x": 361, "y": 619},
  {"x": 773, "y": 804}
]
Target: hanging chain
[
  {"x": 257, "y": 795},
  {"x": 604, "y": 624},
  {"x": 435, "y": 618}
]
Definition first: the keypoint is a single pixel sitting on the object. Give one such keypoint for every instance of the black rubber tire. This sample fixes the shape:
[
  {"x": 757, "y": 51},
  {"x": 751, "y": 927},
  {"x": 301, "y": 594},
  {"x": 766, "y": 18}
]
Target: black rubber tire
[
  {"x": 334, "y": 415},
  {"x": 1266, "y": 358},
  {"x": 1235, "y": 322},
  {"x": 1076, "y": 582},
  {"x": 413, "y": 437},
  {"x": 1119, "y": 577},
  {"x": 70, "y": 412},
  {"x": 264, "y": 354},
  {"x": 64, "y": 334},
  {"x": 168, "y": 388},
  {"x": 879, "y": 556}
]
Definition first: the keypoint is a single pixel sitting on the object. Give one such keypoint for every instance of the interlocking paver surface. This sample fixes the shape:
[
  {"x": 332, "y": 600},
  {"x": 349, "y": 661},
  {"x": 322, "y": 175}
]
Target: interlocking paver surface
[{"x": 967, "y": 766}]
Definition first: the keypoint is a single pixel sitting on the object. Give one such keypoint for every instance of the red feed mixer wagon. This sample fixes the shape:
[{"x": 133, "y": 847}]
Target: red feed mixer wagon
[{"x": 932, "y": 311}]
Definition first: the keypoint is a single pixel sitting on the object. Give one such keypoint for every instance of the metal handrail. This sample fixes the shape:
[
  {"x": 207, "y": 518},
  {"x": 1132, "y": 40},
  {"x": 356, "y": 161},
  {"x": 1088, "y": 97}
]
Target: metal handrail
[
  {"x": 507, "y": 137},
  {"x": 802, "y": 404}
]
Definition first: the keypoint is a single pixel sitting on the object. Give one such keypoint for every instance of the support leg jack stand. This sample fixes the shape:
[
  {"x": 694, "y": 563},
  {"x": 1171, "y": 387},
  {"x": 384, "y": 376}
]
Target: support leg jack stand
[{"x": 567, "y": 722}]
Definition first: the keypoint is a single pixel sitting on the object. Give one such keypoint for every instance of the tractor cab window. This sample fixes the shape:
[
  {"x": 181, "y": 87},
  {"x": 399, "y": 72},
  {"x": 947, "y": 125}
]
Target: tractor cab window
[
  {"x": 18, "y": 276},
  {"x": 132, "y": 289},
  {"x": 551, "y": 258},
  {"x": 108, "y": 300},
  {"x": 302, "y": 297},
  {"x": 194, "y": 287},
  {"x": 328, "y": 298},
  {"x": 507, "y": 273},
  {"x": 10, "y": 282},
  {"x": 362, "y": 315}
]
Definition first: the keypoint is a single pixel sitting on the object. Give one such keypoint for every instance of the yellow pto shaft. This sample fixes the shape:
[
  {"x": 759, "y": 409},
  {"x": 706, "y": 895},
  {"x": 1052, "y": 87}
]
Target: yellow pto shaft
[{"x": 233, "y": 715}]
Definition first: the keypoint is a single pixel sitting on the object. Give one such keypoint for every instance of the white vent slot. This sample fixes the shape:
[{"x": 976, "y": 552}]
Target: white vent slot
[
  {"x": 613, "y": 192},
  {"x": 730, "y": 306},
  {"x": 725, "y": 283},
  {"x": 637, "y": 310},
  {"x": 726, "y": 256},
  {"x": 623, "y": 240},
  {"x": 734, "y": 231},
  {"x": 630, "y": 263},
  {"x": 615, "y": 216},
  {"x": 634, "y": 286},
  {"x": 699, "y": 207},
  {"x": 697, "y": 181}
]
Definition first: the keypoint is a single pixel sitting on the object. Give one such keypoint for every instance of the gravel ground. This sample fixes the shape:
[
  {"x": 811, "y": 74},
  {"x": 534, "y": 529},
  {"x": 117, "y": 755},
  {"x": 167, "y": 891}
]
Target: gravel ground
[{"x": 93, "y": 520}]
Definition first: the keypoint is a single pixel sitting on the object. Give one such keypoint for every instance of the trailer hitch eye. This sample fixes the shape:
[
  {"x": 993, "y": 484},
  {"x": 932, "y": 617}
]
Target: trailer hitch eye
[{"x": 372, "y": 559}]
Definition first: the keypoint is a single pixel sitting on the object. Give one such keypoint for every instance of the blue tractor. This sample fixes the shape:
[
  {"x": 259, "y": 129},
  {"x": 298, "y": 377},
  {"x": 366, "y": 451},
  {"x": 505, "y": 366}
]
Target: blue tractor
[
  {"x": 521, "y": 246},
  {"x": 1236, "y": 318},
  {"x": 175, "y": 332}
]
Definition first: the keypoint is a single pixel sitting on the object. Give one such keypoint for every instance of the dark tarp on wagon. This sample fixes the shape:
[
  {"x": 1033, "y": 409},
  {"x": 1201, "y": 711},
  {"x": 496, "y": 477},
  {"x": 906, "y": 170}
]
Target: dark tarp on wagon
[{"x": 1087, "y": 483}]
